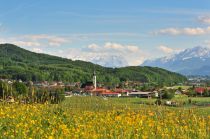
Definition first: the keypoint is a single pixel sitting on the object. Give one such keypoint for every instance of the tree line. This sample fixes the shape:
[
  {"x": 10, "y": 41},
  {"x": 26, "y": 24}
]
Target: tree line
[{"x": 27, "y": 93}]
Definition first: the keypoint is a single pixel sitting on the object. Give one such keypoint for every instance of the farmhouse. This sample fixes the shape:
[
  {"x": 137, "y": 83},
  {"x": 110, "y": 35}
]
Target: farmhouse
[
  {"x": 122, "y": 91},
  {"x": 141, "y": 94},
  {"x": 111, "y": 94}
]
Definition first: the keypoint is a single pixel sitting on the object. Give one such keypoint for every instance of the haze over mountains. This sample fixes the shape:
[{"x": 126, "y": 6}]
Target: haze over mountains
[
  {"x": 110, "y": 61},
  {"x": 106, "y": 60},
  {"x": 192, "y": 61}
]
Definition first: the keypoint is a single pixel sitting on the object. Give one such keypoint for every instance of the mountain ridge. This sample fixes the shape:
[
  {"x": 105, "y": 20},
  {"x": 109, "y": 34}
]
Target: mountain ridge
[
  {"x": 191, "y": 61},
  {"x": 18, "y": 63}
]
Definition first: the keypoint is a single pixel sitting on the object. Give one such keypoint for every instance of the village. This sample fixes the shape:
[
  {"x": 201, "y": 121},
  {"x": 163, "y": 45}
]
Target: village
[{"x": 93, "y": 88}]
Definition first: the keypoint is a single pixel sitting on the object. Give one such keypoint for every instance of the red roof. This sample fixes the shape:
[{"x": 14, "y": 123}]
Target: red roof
[
  {"x": 201, "y": 89},
  {"x": 99, "y": 90},
  {"x": 119, "y": 90},
  {"x": 110, "y": 93}
]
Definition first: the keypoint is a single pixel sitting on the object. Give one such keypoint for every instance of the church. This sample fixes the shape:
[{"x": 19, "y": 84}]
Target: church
[{"x": 92, "y": 89}]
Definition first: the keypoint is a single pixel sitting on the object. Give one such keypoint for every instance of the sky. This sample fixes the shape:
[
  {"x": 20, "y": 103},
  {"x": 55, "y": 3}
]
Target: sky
[{"x": 133, "y": 30}]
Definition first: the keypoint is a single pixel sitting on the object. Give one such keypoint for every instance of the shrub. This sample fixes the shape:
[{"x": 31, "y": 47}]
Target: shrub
[
  {"x": 206, "y": 93},
  {"x": 158, "y": 102},
  {"x": 168, "y": 94}
]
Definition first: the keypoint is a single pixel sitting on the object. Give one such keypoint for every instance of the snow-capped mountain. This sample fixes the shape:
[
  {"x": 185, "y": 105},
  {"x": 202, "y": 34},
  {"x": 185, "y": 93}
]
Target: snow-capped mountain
[
  {"x": 105, "y": 60},
  {"x": 192, "y": 61},
  {"x": 109, "y": 61}
]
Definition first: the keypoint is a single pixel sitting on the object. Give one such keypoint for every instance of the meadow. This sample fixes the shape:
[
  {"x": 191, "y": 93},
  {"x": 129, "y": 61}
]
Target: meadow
[{"x": 96, "y": 117}]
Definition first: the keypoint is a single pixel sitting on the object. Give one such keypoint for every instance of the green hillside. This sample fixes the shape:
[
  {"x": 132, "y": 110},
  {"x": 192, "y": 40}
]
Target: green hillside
[{"x": 18, "y": 63}]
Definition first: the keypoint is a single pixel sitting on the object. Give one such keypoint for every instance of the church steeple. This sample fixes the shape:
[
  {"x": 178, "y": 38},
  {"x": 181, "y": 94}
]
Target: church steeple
[{"x": 94, "y": 79}]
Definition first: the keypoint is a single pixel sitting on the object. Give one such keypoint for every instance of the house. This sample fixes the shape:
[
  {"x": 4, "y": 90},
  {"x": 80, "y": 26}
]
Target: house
[
  {"x": 141, "y": 94},
  {"x": 201, "y": 90},
  {"x": 178, "y": 92},
  {"x": 72, "y": 84},
  {"x": 156, "y": 94},
  {"x": 88, "y": 86},
  {"x": 68, "y": 93},
  {"x": 99, "y": 91},
  {"x": 41, "y": 84},
  {"x": 53, "y": 84},
  {"x": 122, "y": 91},
  {"x": 61, "y": 84},
  {"x": 110, "y": 94}
]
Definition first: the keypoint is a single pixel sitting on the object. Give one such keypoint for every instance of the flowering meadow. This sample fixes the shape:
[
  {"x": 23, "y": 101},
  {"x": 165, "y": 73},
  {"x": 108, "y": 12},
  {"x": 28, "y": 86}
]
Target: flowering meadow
[{"x": 86, "y": 117}]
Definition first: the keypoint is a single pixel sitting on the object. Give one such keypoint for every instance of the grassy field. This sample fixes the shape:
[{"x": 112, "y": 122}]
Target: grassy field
[{"x": 95, "y": 117}]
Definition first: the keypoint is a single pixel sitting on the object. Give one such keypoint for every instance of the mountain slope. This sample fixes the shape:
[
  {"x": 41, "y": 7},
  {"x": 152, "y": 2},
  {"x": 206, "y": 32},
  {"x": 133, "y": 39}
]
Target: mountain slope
[
  {"x": 193, "y": 61},
  {"x": 18, "y": 63}
]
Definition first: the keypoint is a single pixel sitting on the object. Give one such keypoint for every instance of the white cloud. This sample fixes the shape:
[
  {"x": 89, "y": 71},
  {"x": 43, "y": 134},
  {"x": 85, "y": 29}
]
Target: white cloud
[
  {"x": 26, "y": 43},
  {"x": 37, "y": 50},
  {"x": 184, "y": 31},
  {"x": 36, "y": 40},
  {"x": 133, "y": 48},
  {"x": 204, "y": 19},
  {"x": 166, "y": 49},
  {"x": 50, "y": 40},
  {"x": 171, "y": 31},
  {"x": 93, "y": 47},
  {"x": 120, "y": 47},
  {"x": 113, "y": 46},
  {"x": 129, "y": 53}
]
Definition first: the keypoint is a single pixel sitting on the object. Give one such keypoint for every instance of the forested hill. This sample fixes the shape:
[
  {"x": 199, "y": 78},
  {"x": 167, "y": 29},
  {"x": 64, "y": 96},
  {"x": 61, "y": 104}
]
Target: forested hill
[{"x": 18, "y": 63}]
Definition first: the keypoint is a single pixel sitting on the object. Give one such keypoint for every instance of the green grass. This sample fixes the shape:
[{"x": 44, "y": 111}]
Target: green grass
[{"x": 101, "y": 104}]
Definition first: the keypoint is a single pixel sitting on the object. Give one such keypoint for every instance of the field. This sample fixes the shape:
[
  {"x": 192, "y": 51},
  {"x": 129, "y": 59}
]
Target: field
[{"x": 94, "y": 117}]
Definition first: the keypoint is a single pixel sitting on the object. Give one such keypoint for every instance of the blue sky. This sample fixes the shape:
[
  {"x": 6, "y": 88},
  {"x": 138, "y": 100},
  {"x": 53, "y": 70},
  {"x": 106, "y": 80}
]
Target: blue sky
[{"x": 82, "y": 29}]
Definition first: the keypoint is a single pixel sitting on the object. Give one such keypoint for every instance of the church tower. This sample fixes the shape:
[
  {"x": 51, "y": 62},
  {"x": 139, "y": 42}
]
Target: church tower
[{"x": 94, "y": 80}]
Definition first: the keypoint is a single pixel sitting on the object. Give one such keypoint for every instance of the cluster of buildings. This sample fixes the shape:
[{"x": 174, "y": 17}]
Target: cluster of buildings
[
  {"x": 54, "y": 84},
  {"x": 92, "y": 89}
]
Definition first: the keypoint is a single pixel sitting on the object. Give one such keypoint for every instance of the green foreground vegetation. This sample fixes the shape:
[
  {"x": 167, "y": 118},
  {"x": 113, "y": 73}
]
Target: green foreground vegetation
[{"x": 97, "y": 117}]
